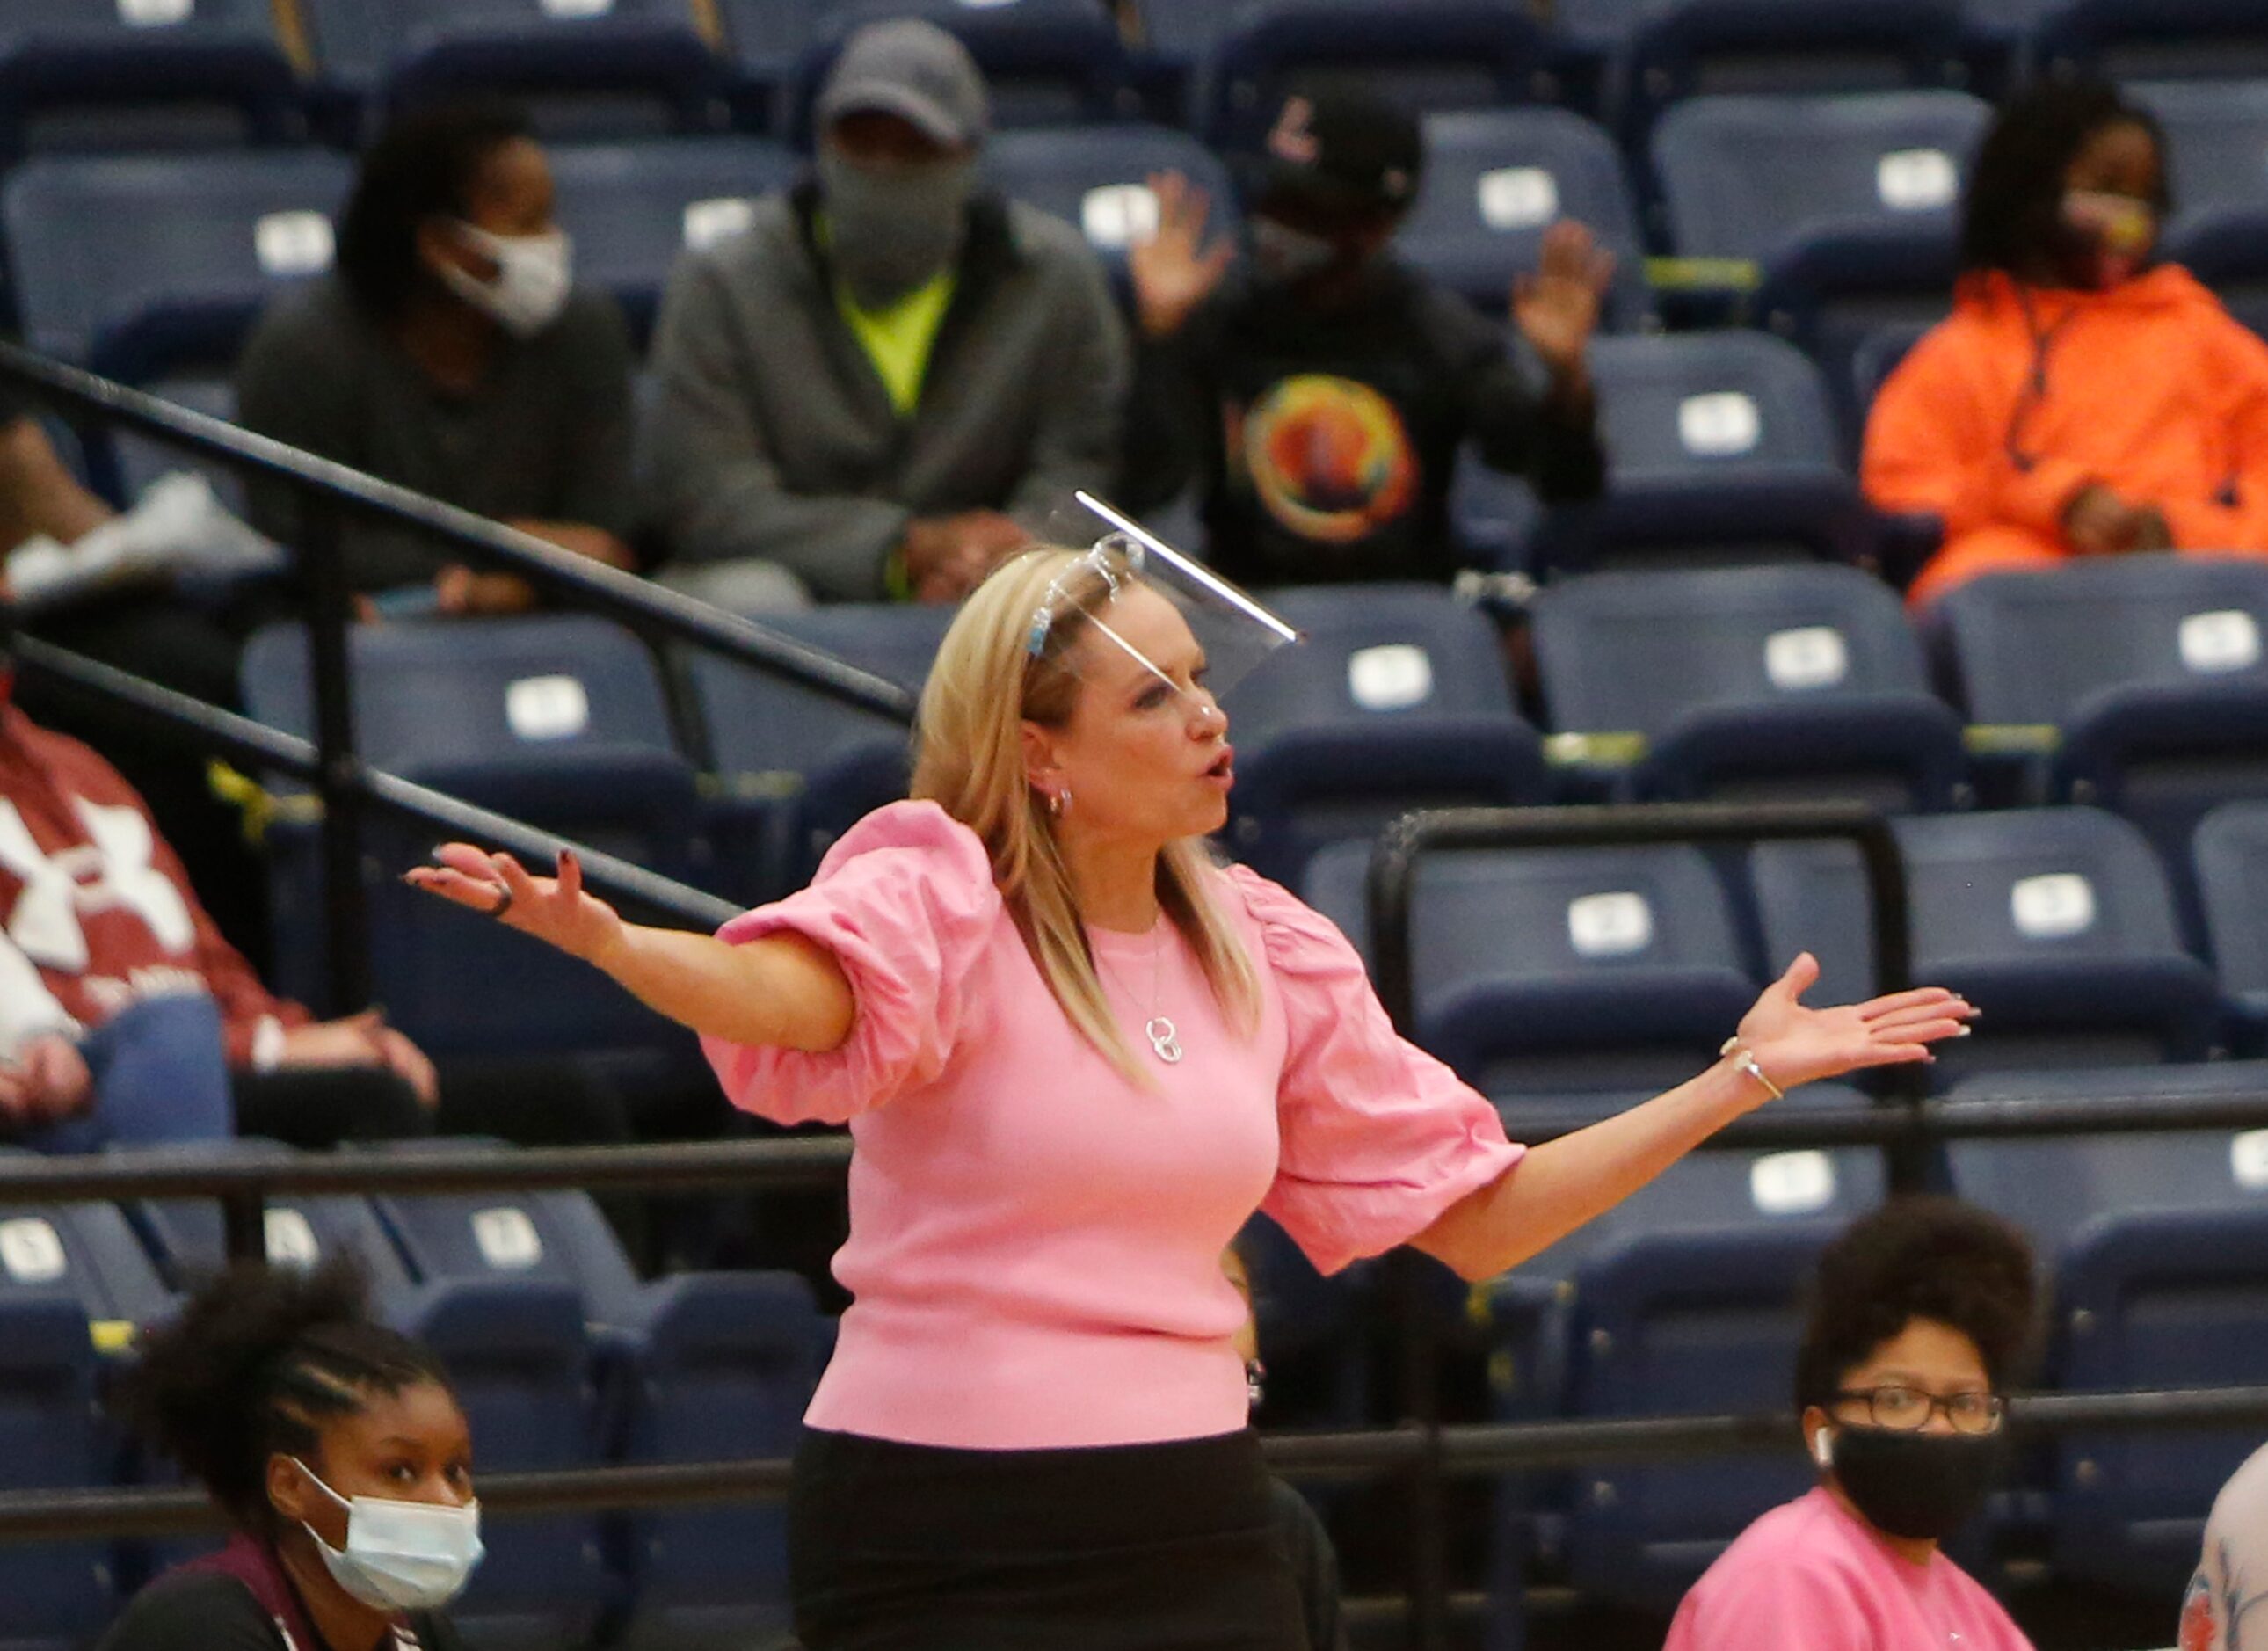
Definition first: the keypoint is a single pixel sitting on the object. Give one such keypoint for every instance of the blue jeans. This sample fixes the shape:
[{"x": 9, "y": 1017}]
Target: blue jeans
[{"x": 160, "y": 1077}]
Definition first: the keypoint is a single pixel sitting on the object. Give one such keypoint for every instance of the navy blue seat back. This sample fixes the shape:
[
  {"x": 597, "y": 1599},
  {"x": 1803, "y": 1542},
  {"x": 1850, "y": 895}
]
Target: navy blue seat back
[
  {"x": 2231, "y": 849},
  {"x": 1097, "y": 178},
  {"x": 139, "y": 264},
  {"x": 2154, "y": 39},
  {"x": 1760, "y": 177},
  {"x": 2154, "y": 670},
  {"x": 796, "y": 767},
  {"x": 185, "y": 1237},
  {"x": 1560, "y": 972},
  {"x": 2058, "y": 922},
  {"x": 1720, "y": 449},
  {"x": 1426, "y": 55},
  {"x": 1690, "y": 49},
  {"x": 1696, "y": 1322},
  {"x": 54, "y": 1596},
  {"x": 2216, "y": 142},
  {"x": 85, "y": 1250},
  {"x": 1397, "y": 699},
  {"x": 142, "y": 74},
  {"x": 626, "y": 67},
  {"x": 560, "y": 721},
  {"x": 632, "y": 207},
  {"x": 1496, "y": 180},
  {"x": 1751, "y": 683}
]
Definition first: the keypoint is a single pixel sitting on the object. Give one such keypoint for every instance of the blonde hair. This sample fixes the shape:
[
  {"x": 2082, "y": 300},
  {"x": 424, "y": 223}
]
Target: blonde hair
[{"x": 969, "y": 760}]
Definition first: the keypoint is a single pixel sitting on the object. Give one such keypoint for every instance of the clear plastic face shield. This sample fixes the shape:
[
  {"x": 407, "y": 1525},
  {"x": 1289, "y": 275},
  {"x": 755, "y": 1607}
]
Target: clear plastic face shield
[{"x": 1141, "y": 615}]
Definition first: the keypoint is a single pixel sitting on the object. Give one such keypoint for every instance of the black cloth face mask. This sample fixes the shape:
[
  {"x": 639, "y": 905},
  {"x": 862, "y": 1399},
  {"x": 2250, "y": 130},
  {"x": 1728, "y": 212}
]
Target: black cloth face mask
[{"x": 1919, "y": 1486}]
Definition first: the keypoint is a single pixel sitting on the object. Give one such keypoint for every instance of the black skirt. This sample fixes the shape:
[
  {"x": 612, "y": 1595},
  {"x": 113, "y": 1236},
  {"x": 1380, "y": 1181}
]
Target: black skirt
[{"x": 1165, "y": 1547}]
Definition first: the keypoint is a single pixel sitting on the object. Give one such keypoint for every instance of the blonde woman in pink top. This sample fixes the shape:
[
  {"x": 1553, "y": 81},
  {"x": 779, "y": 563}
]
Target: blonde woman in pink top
[
  {"x": 1921, "y": 1315},
  {"x": 1075, "y": 1055}
]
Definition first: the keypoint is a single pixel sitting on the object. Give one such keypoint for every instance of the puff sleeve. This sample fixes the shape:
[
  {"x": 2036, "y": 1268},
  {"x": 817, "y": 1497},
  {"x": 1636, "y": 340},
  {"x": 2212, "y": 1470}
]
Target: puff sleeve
[
  {"x": 905, "y": 901},
  {"x": 1378, "y": 1138}
]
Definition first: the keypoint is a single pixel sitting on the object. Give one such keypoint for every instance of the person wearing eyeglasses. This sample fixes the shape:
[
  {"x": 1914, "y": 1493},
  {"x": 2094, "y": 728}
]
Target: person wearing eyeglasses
[{"x": 1920, "y": 1315}]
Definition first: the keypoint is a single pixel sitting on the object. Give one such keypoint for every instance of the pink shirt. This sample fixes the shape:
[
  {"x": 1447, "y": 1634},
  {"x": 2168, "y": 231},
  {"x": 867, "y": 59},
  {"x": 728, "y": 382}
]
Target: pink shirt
[
  {"x": 1812, "y": 1576},
  {"x": 1035, "y": 1242}
]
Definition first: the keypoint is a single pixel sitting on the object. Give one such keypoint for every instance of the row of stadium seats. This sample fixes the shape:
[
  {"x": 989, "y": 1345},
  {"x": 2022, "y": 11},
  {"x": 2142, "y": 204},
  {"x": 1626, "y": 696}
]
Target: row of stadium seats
[
  {"x": 1839, "y": 210},
  {"x": 103, "y": 72},
  {"x": 1684, "y": 1301},
  {"x": 2136, "y": 684},
  {"x": 563, "y": 1358}
]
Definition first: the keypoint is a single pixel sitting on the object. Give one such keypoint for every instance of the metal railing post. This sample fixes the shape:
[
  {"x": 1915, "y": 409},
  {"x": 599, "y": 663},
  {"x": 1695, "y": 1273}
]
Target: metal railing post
[{"x": 338, "y": 780}]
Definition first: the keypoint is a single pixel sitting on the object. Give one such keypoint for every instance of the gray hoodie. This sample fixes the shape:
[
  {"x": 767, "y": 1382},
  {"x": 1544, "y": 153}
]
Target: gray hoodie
[{"x": 773, "y": 437}]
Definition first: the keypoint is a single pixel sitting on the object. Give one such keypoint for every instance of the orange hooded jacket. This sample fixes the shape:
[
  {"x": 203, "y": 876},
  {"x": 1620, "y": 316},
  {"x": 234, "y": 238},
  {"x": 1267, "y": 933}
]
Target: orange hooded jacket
[{"x": 1998, "y": 416}]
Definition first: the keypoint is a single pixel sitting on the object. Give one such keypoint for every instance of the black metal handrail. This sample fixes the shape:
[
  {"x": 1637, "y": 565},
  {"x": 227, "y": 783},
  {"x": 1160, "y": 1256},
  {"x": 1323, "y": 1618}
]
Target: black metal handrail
[
  {"x": 328, "y": 493},
  {"x": 1465, "y": 1450}
]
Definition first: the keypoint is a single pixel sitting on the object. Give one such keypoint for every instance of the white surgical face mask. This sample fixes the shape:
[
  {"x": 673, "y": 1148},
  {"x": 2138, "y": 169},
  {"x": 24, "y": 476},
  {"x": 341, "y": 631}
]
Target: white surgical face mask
[
  {"x": 401, "y": 1556},
  {"x": 534, "y": 275}
]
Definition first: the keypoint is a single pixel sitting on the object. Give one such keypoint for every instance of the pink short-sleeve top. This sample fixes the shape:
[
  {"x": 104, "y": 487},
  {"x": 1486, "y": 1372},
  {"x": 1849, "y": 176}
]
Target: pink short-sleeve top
[{"x": 1036, "y": 1240}]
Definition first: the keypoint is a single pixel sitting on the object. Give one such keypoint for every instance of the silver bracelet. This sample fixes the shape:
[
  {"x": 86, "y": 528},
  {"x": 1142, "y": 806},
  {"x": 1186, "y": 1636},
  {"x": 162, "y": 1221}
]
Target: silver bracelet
[{"x": 1744, "y": 1059}]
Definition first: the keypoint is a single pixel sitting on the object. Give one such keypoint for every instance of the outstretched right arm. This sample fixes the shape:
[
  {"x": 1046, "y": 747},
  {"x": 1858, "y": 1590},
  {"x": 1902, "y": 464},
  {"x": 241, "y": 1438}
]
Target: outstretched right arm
[{"x": 781, "y": 989}]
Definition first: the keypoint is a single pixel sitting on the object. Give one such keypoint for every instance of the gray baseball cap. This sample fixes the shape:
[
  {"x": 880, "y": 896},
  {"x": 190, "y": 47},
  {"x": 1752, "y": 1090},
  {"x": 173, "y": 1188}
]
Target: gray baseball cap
[{"x": 911, "y": 68}]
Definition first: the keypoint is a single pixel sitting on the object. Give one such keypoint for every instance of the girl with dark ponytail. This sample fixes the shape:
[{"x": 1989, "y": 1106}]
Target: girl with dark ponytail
[{"x": 339, "y": 1454}]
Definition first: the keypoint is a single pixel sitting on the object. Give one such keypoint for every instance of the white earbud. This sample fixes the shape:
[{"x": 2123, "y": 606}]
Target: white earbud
[{"x": 1822, "y": 1449}]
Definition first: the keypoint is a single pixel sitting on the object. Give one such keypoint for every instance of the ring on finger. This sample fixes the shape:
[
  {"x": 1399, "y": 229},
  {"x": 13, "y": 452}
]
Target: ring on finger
[{"x": 503, "y": 903}]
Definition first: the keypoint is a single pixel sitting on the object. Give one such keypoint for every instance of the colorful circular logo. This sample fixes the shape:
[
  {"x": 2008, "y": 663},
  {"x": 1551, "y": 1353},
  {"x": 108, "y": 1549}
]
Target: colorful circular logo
[{"x": 1330, "y": 457}]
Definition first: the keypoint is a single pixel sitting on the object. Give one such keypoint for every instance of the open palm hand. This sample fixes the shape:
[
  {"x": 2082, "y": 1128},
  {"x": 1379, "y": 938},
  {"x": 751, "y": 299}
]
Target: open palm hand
[
  {"x": 554, "y": 910},
  {"x": 1797, "y": 1045}
]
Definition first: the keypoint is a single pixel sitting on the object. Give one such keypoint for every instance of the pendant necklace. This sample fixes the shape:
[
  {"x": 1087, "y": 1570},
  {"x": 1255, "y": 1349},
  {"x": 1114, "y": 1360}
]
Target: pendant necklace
[{"x": 1165, "y": 1039}]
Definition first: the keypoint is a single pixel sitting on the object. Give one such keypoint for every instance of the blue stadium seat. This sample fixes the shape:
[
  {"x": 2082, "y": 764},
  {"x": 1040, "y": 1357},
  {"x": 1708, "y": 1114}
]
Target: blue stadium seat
[
  {"x": 54, "y": 1596},
  {"x": 1700, "y": 1321},
  {"x": 1751, "y": 685},
  {"x": 560, "y": 721},
  {"x": 138, "y": 265},
  {"x": 1426, "y": 55},
  {"x": 585, "y": 68},
  {"x": 1845, "y": 205},
  {"x": 795, "y": 768},
  {"x": 1046, "y": 63},
  {"x": 1560, "y": 980},
  {"x": 696, "y": 1366},
  {"x": 2058, "y": 922},
  {"x": 1495, "y": 180},
  {"x": 1690, "y": 49},
  {"x": 2152, "y": 668},
  {"x": 1397, "y": 699},
  {"x": 1097, "y": 177},
  {"x": 185, "y": 1238},
  {"x": 2232, "y": 880},
  {"x": 136, "y": 74},
  {"x": 632, "y": 207},
  {"x": 2216, "y": 144},
  {"x": 2154, "y": 39},
  {"x": 2157, "y": 1242},
  {"x": 87, "y": 1250},
  {"x": 1721, "y": 451}
]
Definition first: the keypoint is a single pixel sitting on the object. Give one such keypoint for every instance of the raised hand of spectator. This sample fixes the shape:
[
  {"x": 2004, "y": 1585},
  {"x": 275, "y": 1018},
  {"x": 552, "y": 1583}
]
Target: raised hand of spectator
[
  {"x": 1173, "y": 270},
  {"x": 949, "y": 556},
  {"x": 1557, "y": 308},
  {"x": 47, "y": 1082},
  {"x": 554, "y": 909}
]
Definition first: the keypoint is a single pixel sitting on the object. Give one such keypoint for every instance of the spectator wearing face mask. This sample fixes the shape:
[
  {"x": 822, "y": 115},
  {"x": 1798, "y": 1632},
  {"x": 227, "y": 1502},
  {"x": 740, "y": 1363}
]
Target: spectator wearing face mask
[
  {"x": 1317, "y": 396},
  {"x": 340, "y": 1456},
  {"x": 1920, "y": 1315},
  {"x": 892, "y": 378},
  {"x": 451, "y": 351},
  {"x": 2082, "y": 400}
]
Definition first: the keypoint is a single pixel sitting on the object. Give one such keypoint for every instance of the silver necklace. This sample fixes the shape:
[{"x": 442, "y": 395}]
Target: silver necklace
[{"x": 1165, "y": 1040}]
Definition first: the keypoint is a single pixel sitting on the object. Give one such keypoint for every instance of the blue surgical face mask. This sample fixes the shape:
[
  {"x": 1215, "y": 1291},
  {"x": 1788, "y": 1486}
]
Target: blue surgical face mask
[{"x": 401, "y": 1556}]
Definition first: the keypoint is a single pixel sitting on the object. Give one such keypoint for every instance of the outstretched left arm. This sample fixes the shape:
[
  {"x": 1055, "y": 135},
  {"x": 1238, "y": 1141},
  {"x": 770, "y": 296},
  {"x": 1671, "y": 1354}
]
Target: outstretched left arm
[{"x": 1561, "y": 1184}]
